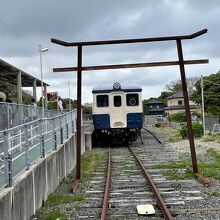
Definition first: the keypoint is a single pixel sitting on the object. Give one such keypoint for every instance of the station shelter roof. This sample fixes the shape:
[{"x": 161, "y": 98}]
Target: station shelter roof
[{"x": 8, "y": 73}]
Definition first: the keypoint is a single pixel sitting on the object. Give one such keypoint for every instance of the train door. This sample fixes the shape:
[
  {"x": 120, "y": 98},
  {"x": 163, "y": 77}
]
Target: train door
[{"x": 117, "y": 111}]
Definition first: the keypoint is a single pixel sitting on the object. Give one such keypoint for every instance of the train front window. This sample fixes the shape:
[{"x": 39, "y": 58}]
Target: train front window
[
  {"x": 117, "y": 101},
  {"x": 102, "y": 100},
  {"x": 132, "y": 99}
]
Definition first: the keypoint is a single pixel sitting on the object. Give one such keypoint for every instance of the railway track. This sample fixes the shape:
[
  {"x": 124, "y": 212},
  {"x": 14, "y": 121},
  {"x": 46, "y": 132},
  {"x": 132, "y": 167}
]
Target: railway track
[{"x": 128, "y": 188}]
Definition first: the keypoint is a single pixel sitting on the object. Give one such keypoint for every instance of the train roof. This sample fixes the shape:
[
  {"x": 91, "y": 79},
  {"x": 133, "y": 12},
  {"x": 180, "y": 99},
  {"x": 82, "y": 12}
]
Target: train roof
[{"x": 108, "y": 88}]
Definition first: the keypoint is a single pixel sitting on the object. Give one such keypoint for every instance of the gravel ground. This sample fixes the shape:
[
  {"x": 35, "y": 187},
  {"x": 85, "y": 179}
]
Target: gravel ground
[
  {"x": 210, "y": 201},
  {"x": 182, "y": 147}
]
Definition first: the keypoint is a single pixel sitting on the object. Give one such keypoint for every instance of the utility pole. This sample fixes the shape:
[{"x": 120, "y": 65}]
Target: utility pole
[
  {"x": 41, "y": 50},
  {"x": 70, "y": 107},
  {"x": 203, "y": 106}
]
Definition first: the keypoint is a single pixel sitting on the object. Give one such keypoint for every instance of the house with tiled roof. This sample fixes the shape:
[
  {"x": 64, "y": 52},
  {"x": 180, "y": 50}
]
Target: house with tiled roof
[{"x": 175, "y": 104}]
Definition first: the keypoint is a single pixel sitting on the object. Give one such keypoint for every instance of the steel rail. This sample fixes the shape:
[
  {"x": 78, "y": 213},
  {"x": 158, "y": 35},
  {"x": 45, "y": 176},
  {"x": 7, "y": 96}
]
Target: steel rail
[
  {"x": 153, "y": 135},
  {"x": 107, "y": 188},
  {"x": 161, "y": 203}
]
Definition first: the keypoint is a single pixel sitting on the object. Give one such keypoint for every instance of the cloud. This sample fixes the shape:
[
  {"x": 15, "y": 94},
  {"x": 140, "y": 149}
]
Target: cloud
[{"x": 86, "y": 20}]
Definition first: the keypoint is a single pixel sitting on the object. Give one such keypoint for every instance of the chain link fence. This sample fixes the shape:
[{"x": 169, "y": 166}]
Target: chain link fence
[
  {"x": 25, "y": 144},
  {"x": 12, "y": 114}
]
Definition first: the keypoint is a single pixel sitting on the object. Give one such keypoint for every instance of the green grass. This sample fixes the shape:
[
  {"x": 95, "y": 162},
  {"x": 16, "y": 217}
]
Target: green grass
[
  {"x": 213, "y": 153},
  {"x": 77, "y": 207},
  {"x": 173, "y": 165},
  {"x": 90, "y": 161},
  {"x": 216, "y": 194},
  {"x": 54, "y": 215},
  {"x": 174, "y": 175},
  {"x": 56, "y": 199},
  {"x": 208, "y": 169},
  {"x": 211, "y": 169},
  {"x": 172, "y": 133},
  {"x": 174, "y": 138},
  {"x": 212, "y": 137}
]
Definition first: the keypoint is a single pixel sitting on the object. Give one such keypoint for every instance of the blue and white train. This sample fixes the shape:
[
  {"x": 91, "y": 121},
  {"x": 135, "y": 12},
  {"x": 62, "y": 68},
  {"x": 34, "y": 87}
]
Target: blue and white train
[{"x": 117, "y": 114}]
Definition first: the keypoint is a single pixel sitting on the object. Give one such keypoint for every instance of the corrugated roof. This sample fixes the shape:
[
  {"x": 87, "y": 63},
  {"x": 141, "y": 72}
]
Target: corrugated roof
[{"x": 8, "y": 73}]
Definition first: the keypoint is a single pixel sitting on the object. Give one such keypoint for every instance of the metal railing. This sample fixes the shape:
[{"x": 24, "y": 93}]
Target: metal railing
[
  {"x": 25, "y": 144},
  {"x": 12, "y": 114}
]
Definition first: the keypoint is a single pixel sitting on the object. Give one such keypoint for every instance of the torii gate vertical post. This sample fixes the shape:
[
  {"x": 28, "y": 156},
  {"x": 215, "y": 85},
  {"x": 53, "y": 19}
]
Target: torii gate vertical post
[
  {"x": 79, "y": 114},
  {"x": 187, "y": 107}
]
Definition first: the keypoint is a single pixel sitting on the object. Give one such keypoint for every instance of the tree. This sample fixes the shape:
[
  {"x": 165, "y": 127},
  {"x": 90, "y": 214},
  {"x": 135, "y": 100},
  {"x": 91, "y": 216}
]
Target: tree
[
  {"x": 211, "y": 93},
  {"x": 176, "y": 86},
  {"x": 11, "y": 92},
  {"x": 164, "y": 95}
]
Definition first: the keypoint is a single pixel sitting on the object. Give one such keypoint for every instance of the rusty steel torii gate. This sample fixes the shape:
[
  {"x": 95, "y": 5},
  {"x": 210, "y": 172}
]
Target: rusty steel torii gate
[{"x": 181, "y": 62}]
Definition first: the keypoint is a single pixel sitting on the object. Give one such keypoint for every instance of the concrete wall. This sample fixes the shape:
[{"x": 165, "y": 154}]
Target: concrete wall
[{"x": 32, "y": 188}]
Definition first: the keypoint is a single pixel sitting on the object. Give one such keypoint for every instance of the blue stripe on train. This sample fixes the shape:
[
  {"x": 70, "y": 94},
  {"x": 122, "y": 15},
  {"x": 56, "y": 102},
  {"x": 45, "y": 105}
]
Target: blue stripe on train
[
  {"x": 134, "y": 120},
  {"x": 101, "y": 121}
]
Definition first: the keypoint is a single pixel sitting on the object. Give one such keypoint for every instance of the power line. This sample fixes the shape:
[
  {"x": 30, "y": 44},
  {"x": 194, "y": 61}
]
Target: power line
[{"x": 16, "y": 33}]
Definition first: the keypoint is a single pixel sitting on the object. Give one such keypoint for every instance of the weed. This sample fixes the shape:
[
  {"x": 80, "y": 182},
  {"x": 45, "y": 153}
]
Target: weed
[
  {"x": 212, "y": 137},
  {"x": 77, "y": 207},
  {"x": 214, "y": 154},
  {"x": 173, "y": 165},
  {"x": 56, "y": 199},
  {"x": 53, "y": 215},
  {"x": 175, "y": 175},
  {"x": 90, "y": 161},
  {"x": 174, "y": 138},
  {"x": 217, "y": 194}
]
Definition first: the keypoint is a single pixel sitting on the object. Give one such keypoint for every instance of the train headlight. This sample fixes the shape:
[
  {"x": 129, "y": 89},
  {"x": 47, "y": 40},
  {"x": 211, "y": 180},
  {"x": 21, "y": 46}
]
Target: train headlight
[{"x": 116, "y": 85}]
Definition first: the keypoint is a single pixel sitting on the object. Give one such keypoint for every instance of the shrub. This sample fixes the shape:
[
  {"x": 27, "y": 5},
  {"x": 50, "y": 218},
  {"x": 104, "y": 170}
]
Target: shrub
[
  {"x": 197, "y": 130},
  {"x": 177, "y": 117},
  {"x": 184, "y": 132}
]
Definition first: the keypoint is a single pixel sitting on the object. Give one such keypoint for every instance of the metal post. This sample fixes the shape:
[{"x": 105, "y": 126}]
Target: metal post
[
  {"x": 70, "y": 107},
  {"x": 72, "y": 123},
  {"x": 35, "y": 89},
  {"x": 6, "y": 146},
  {"x": 41, "y": 138},
  {"x": 203, "y": 105},
  {"x": 54, "y": 135},
  {"x": 26, "y": 146},
  {"x": 79, "y": 95},
  {"x": 67, "y": 128},
  {"x": 61, "y": 131},
  {"x": 45, "y": 97},
  {"x": 41, "y": 75},
  {"x": 186, "y": 103},
  {"x": 9, "y": 170},
  {"x": 8, "y": 116},
  {"x": 19, "y": 85},
  {"x": 43, "y": 146}
]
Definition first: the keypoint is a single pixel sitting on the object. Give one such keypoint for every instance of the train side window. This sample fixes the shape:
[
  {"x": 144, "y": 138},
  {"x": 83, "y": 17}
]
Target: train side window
[
  {"x": 102, "y": 100},
  {"x": 117, "y": 101},
  {"x": 132, "y": 99}
]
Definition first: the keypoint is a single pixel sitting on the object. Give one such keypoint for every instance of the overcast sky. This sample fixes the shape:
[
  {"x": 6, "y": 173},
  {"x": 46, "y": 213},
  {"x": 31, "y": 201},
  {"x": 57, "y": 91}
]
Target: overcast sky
[{"x": 25, "y": 24}]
